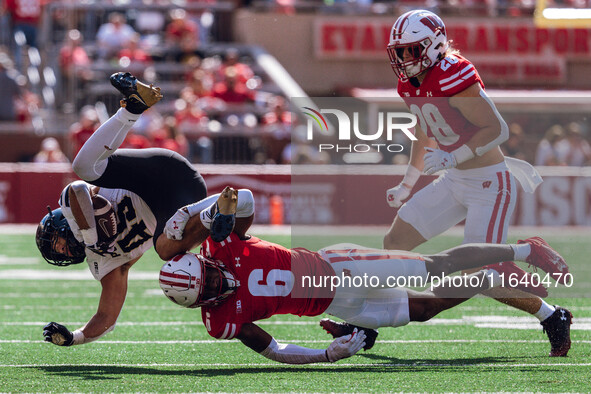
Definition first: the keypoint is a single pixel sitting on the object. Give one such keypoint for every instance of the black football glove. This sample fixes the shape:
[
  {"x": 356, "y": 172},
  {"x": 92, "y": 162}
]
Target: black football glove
[
  {"x": 58, "y": 334},
  {"x": 103, "y": 247}
]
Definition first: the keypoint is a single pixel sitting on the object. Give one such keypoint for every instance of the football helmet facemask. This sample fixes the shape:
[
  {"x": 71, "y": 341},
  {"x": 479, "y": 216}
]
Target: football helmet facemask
[
  {"x": 422, "y": 34},
  {"x": 52, "y": 227},
  {"x": 189, "y": 278}
]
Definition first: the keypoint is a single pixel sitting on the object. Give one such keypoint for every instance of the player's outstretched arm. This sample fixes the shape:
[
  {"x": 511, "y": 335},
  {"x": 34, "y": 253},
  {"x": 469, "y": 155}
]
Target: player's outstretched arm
[
  {"x": 114, "y": 290},
  {"x": 192, "y": 224},
  {"x": 261, "y": 342}
]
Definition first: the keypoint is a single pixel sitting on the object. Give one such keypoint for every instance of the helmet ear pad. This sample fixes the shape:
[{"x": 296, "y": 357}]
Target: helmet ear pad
[{"x": 52, "y": 227}]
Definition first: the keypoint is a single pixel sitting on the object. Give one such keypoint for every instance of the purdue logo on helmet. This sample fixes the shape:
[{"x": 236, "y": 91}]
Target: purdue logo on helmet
[
  {"x": 418, "y": 40},
  {"x": 53, "y": 227}
]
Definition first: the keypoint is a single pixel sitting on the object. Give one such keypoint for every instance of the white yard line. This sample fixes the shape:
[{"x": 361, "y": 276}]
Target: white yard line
[
  {"x": 491, "y": 321},
  {"x": 222, "y": 342},
  {"x": 279, "y": 365}
]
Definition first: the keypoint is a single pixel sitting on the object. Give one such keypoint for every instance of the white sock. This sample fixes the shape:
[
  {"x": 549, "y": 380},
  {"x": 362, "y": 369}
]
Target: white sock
[
  {"x": 494, "y": 278},
  {"x": 546, "y": 310},
  {"x": 521, "y": 251}
]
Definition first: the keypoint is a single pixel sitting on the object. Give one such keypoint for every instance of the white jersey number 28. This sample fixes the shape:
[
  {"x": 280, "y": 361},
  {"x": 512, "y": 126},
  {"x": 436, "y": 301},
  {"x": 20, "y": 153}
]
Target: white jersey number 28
[{"x": 431, "y": 119}]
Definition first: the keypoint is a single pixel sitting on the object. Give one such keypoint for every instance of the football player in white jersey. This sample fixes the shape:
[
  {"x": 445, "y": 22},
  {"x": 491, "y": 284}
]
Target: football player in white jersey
[
  {"x": 145, "y": 187},
  {"x": 459, "y": 130}
]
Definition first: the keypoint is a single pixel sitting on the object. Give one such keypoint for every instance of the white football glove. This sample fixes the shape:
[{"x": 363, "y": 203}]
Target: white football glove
[
  {"x": 437, "y": 160},
  {"x": 176, "y": 224},
  {"x": 397, "y": 194},
  {"x": 346, "y": 346}
]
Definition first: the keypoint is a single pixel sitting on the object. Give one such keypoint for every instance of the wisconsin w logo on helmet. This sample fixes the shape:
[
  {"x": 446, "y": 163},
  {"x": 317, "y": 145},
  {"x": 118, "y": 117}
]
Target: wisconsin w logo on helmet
[{"x": 418, "y": 40}]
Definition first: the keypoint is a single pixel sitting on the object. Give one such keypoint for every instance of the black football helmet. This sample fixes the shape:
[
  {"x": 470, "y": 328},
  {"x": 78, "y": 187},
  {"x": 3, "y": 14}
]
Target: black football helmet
[{"x": 52, "y": 226}]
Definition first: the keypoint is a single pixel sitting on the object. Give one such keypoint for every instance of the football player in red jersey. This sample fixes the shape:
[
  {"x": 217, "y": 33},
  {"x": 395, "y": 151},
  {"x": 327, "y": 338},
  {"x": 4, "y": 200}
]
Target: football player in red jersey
[
  {"x": 459, "y": 130},
  {"x": 243, "y": 279}
]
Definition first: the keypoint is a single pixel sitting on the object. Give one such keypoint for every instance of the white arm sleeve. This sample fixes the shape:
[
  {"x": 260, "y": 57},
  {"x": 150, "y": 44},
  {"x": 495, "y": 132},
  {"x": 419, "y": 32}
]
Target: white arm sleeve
[
  {"x": 503, "y": 135},
  {"x": 82, "y": 194},
  {"x": 293, "y": 354}
]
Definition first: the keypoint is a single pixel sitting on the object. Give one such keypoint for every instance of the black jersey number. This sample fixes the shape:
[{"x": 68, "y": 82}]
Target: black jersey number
[{"x": 137, "y": 233}]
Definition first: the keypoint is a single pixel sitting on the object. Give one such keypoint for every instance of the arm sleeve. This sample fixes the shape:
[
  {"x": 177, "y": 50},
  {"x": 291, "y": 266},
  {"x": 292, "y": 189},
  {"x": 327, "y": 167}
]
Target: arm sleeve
[
  {"x": 293, "y": 354},
  {"x": 82, "y": 194}
]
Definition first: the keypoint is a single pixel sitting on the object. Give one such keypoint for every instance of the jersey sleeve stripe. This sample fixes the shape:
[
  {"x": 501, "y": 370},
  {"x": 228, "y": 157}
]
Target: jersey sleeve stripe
[
  {"x": 459, "y": 81},
  {"x": 446, "y": 80},
  {"x": 229, "y": 331},
  {"x": 225, "y": 331},
  {"x": 65, "y": 197}
]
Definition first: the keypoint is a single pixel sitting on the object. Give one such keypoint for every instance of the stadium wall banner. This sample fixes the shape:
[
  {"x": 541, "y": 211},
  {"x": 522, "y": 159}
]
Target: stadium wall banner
[
  {"x": 503, "y": 49},
  {"x": 338, "y": 195}
]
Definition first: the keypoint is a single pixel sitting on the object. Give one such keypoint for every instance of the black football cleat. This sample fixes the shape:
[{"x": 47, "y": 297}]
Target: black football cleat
[
  {"x": 338, "y": 329},
  {"x": 138, "y": 96},
  {"x": 557, "y": 327}
]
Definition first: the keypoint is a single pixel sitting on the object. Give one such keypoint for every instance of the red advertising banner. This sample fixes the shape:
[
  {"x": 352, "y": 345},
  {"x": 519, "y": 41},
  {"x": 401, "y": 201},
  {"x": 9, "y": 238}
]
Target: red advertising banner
[
  {"x": 317, "y": 197},
  {"x": 512, "y": 50}
]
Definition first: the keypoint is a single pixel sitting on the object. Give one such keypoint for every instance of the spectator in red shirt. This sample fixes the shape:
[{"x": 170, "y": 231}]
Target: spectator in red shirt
[
  {"x": 231, "y": 59},
  {"x": 231, "y": 90},
  {"x": 135, "y": 141},
  {"x": 74, "y": 64},
  {"x": 133, "y": 52},
  {"x": 25, "y": 17},
  {"x": 181, "y": 30},
  {"x": 168, "y": 137},
  {"x": 81, "y": 131}
]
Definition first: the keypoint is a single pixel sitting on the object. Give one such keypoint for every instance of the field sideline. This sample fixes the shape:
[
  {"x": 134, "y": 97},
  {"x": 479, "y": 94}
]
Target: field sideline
[{"x": 158, "y": 347}]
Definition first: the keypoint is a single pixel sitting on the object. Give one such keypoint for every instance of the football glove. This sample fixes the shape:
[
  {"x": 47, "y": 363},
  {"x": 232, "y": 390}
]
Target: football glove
[
  {"x": 58, "y": 334},
  {"x": 103, "y": 247},
  {"x": 345, "y": 346},
  {"x": 437, "y": 160},
  {"x": 176, "y": 224},
  {"x": 397, "y": 194}
]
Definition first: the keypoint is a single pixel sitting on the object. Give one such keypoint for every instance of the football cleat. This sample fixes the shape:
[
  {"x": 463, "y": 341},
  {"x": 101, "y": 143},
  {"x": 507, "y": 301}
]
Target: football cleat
[
  {"x": 228, "y": 201},
  {"x": 138, "y": 96},
  {"x": 338, "y": 329},
  {"x": 512, "y": 273},
  {"x": 546, "y": 258},
  {"x": 557, "y": 327}
]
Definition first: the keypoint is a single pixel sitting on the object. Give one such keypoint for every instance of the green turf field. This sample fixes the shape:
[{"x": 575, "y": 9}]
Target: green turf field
[{"x": 159, "y": 347}]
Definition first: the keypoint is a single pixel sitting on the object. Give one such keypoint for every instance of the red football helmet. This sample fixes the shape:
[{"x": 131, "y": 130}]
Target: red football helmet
[
  {"x": 422, "y": 33},
  {"x": 187, "y": 277}
]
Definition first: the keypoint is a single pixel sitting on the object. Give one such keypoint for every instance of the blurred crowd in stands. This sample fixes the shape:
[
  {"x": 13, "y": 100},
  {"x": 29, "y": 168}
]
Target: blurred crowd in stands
[{"x": 219, "y": 106}]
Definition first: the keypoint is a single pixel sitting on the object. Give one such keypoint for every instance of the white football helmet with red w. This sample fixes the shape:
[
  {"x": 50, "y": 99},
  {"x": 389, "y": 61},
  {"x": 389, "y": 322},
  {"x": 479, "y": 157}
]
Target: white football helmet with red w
[
  {"x": 423, "y": 34},
  {"x": 193, "y": 280}
]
